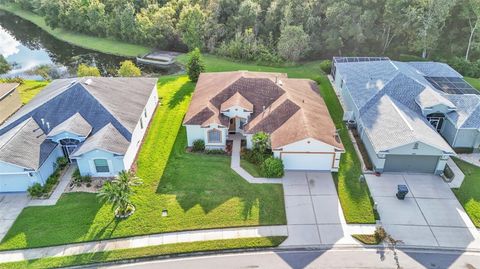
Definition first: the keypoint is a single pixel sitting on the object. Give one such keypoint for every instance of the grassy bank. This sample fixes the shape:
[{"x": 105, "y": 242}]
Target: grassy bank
[
  {"x": 469, "y": 193},
  {"x": 475, "y": 82},
  {"x": 136, "y": 253},
  {"x": 100, "y": 44}
]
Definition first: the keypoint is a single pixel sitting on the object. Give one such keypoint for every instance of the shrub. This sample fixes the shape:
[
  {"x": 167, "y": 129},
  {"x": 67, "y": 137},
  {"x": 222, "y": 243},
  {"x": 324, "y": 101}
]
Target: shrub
[
  {"x": 128, "y": 69},
  {"x": 215, "y": 151},
  {"x": 76, "y": 175},
  {"x": 272, "y": 167},
  {"x": 254, "y": 156},
  {"x": 62, "y": 162},
  {"x": 380, "y": 234},
  {"x": 87, "y": 71},
  {"x": 198, "y": 145},
  {"x": 195, "y": 65},
  {"x": 464, "y": 67},
  {"x": 326, "y": 66},
  {"x": 261, "y": 142},
  {"x": 36, "y": 190}
]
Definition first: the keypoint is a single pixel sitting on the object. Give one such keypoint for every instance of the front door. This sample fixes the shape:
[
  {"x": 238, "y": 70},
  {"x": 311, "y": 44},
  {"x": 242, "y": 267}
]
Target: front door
[
  {"x": 68, "y": 147},
  {"x": 233, "y": 126}
]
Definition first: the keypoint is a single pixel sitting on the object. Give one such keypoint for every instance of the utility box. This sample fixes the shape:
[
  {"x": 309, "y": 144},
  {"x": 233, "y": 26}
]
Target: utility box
[{"x": 402, "y": 191}]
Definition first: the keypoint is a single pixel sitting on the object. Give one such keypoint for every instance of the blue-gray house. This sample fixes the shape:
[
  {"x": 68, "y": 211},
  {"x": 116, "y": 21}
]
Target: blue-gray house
[
  {"x": 411, "y": 116},
  {"x": 98, "y": 123}
]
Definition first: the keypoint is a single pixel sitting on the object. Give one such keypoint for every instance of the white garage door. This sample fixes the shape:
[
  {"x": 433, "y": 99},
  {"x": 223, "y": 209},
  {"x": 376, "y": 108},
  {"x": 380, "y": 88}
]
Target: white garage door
[
  {"x": 307, "y": 161},
  {"x": 14, "y": 183}
]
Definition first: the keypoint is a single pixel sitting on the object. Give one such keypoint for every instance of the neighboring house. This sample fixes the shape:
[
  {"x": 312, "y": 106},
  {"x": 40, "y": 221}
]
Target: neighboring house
[
  {"x": 409, "y": 114},
  {"x": 301, "y": 131},
  {"x": 98, "y": 123},
  {"x": 9, "y": 100}
]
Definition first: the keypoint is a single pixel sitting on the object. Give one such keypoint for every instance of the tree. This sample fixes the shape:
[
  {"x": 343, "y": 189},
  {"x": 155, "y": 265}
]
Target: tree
[
  {"x": 129, "y": 69},
  {"x": 261, "y": 142},
  {"x": 247, "y": 16},
  {"x": 156, "y": 26},
  {"x": 87, "y": 71},
  {"x": 195, "y": 65},
  {"x": 471, "y": 12},
  {"x": 191, "y": 26},
  {"x": 293, "y": 43},
  {"x": 119, "y": 191},
  {"x": 4, "y": 65},
  {"x": 428, "y": 18}
]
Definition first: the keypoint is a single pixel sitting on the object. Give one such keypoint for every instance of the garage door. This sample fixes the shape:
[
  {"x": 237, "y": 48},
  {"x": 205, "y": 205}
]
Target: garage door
[
  {"x": 14, "y": 183},
  {"x": 307, "y": 161},
  {"x": 409, "y": 163}
]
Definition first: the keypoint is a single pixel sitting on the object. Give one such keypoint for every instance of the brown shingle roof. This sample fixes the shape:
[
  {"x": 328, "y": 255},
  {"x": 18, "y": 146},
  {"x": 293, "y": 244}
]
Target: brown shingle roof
[
  {"x": 6, "y": 88},
  {"x": 237, "y": 100},
  {"x": 288, "y": 109}
]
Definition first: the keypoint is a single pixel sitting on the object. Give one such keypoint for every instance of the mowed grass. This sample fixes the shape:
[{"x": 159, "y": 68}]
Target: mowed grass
[
  {"x": 354, "y": 196},
  {"x": 199, "y": 191},
  {"x": 101, "y": 44},
  {"x": 475, "y": 82},
  {"x": 145, "y": 252},
  {"x": 30, "y": 88},
  {"x": 469, "y": 193},
  {"x": 251, "y": 168}
]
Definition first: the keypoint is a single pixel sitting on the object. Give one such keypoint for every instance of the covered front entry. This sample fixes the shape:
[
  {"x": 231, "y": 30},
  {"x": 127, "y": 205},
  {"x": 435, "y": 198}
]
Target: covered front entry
[
  {"x": 411, "y": 163},
  {"x": 68, "y": 147},
  {"x": 307, "y": 161}
]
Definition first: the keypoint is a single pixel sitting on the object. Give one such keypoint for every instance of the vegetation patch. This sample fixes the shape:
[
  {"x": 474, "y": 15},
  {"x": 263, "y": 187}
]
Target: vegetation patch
[
  {"x": 145, "y": 252},
  {"x": 475, "y": 82},
  {"x": 469, "y": 193},
  {"x": 367, "y": 239},
  {"x": 28, "y": 88}
]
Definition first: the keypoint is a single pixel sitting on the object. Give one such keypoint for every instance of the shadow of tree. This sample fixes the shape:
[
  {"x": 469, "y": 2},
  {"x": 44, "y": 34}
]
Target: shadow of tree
[{"x": 185, "y": 91}]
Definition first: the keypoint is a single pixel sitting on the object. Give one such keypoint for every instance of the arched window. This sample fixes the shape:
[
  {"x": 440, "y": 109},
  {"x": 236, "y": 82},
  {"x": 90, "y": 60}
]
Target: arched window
[{"x": 214, "y": 136}]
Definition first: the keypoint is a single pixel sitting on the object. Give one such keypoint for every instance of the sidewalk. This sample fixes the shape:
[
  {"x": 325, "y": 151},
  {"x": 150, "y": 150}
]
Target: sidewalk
[
  {"x": 473, "y": 158},
  {"x": 459, "y": 175},
  {"x": 142, "y": 241},
  {"x": 59, "y": 189},
  {"x": 235, "y": 165}
]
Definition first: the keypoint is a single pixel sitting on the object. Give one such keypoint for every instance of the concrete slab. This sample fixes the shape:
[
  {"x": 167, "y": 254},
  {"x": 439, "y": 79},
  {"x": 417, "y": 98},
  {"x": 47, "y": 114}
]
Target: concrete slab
[
  {"x": 327, "y": 210},
  {"x": 302, "y": 235},
  {"x": 301, "y": 188},
  {"x": 332, "y": 234},
  {"x": 294, "y": 178},
  {"x": 299, "y": 210},
  {"x": 404, "y": 212},
  {"x": 444, "y": 212},
  {"x": 428, "y": 186},
  {"x": 385, "y": 185},
  {"x": 321, "y": 183},
  {"x": 412, "y": 235},
  {"x": 456, "y": 237},
  {"x": 11, "y": 205}
]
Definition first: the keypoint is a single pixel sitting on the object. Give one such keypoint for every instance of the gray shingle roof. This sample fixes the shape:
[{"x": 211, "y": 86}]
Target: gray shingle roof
[
  {"x": 26, "y": 145},
  {"x": 108, "y": 139},
  {"x": 467, "y": 114},
  {"x": 76, "y": 124},
  {"x": 435, "y": 69}
]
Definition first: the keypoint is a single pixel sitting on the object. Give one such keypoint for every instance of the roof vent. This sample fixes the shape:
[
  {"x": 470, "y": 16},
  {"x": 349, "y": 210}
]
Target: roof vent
[
  {"x": 48, "y": 127},
  {"x": 43, "y": 122},
  {"x": 280, "y": 83},
  {"x": 88, "y": 81},
  {"x": 73, "y": 82},
  {"x": 263, "y": 108}
]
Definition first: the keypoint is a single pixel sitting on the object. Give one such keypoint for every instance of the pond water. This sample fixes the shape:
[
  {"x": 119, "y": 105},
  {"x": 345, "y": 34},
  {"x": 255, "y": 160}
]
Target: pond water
[{"x": 27, "y": 47}]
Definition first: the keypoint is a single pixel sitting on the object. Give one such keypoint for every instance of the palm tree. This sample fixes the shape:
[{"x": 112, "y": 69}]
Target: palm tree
[{"x": 118, "y": 192}]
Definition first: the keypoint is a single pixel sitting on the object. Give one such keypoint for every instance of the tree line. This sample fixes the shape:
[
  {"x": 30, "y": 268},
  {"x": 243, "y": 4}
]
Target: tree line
[{"x": 278, "y": 30}]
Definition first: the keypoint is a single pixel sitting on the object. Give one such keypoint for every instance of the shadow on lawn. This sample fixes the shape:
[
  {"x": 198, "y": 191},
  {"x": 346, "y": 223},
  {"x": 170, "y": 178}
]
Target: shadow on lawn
[
  {"x": 185, "y": 91},
  {"x": 208, "y": 181}
]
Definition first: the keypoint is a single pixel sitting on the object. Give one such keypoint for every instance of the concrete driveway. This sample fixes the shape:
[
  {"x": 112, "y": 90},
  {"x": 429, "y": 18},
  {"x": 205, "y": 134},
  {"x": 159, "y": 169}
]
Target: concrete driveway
[
  {"x": 11, "y": 204},
  {"x": 430, "y": 215},
  {"x": 314, "y": 214}
]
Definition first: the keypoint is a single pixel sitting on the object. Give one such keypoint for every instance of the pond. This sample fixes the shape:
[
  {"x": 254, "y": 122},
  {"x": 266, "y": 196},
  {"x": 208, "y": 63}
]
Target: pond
[{"x": 33, "y": 52}]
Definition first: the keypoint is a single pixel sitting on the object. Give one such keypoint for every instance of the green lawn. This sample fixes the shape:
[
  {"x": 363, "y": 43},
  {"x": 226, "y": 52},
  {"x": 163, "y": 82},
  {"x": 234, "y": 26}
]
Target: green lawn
[
  {"x": 251, "y": 168},
  {"x": 199, "y": 191},
  {"x": 105, "y": 45},
  {"x": 125, "y": 254},
  {"x": 29, "y": 88},
  {"x": 354, "y": 196},
  {"x": 469, "y": 193},
  {"x": 475, "y": 82}
]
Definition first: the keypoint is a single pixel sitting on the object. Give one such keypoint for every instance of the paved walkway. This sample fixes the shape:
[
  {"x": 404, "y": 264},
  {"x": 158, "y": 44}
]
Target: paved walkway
[
  {"x": 314, "y": 214},
  {"x": 59, "y": 189},
  {"x": 11, "y": 205},
  {"x": 142, "y": 241},
  {"x": 459, "y": 175},
  {"x": 473, "y": 158},
  {"x": 235, "y": 164}
]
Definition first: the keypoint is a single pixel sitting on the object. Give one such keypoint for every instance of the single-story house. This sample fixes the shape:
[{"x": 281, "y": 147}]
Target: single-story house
[
  {"x": 9, "y": 100},
  {"x": 291, "y": 111},
  {"x": 410, "y": 115},
  {"x": 98, "y": 123}
]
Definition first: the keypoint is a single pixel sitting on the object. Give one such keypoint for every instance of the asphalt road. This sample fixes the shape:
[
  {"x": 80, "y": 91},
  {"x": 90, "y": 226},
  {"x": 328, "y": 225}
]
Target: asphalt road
[{"x": 335, "y": 258}]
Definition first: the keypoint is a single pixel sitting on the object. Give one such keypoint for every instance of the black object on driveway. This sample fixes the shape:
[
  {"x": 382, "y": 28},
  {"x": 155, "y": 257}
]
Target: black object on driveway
[{"x": 402, "y": 191}]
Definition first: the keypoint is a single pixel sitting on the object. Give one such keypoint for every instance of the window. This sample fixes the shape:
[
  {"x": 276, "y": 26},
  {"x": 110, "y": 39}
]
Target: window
[
  {"x": 415, "y": 146},
  {"x": 214, "y": 136},
  {"x": 141, "y": 124},
  {"x": 101, "y": 166}
]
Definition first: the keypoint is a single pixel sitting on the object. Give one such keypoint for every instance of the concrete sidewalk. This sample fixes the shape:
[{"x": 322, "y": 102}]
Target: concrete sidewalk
[
  {"x": 11, "y": 205},
  {"x": 142, "y": 241},
  {"x": 59, "y": 189}
]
